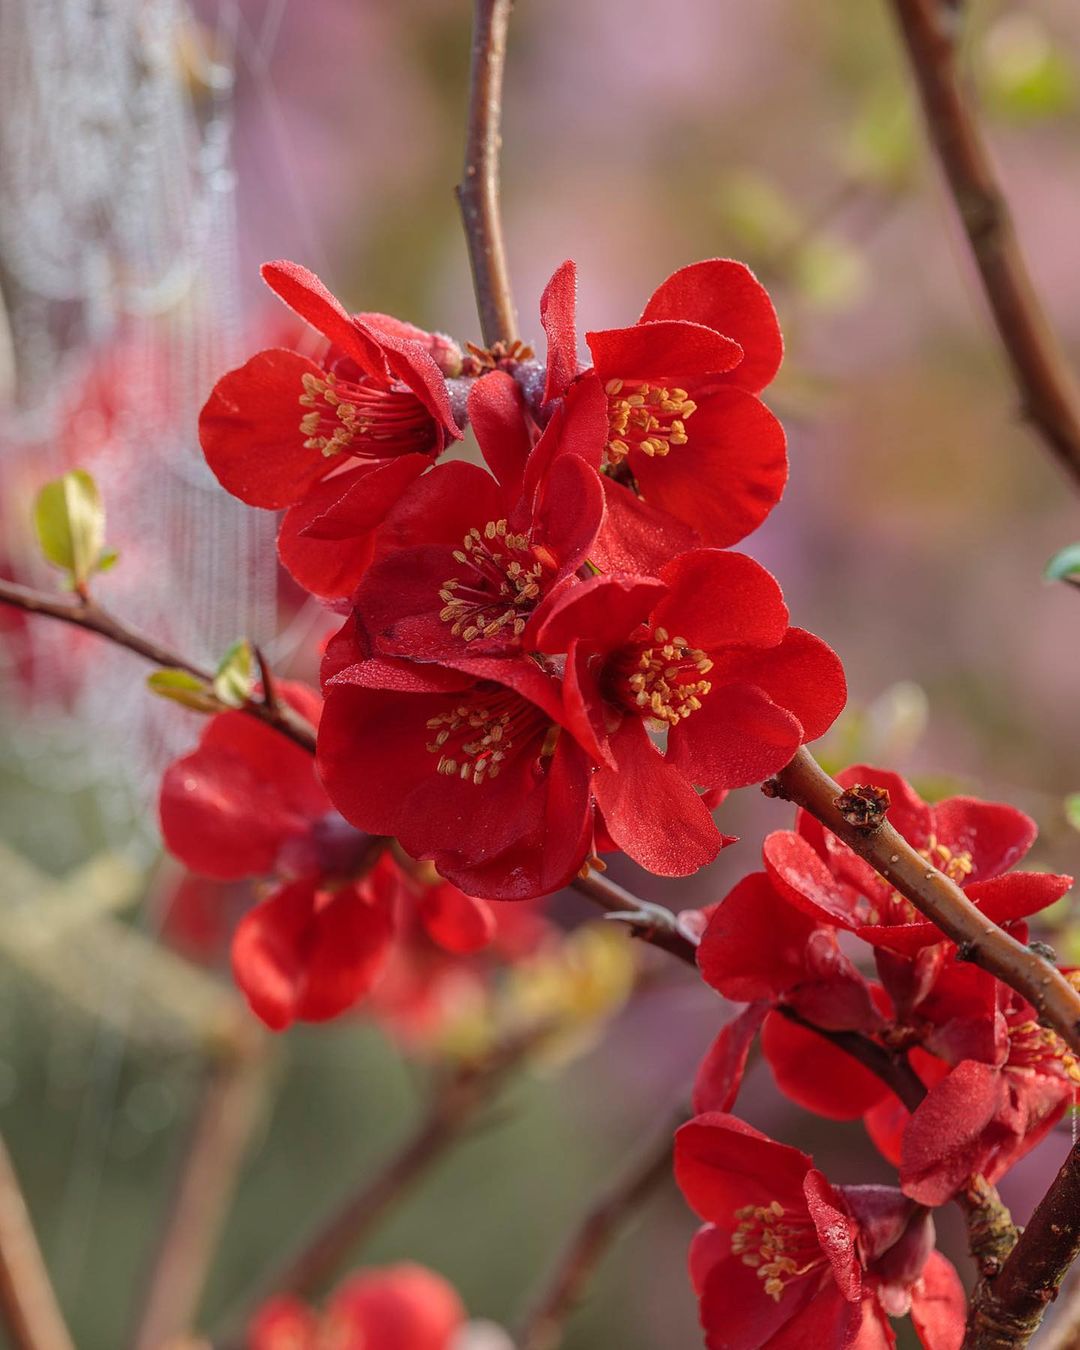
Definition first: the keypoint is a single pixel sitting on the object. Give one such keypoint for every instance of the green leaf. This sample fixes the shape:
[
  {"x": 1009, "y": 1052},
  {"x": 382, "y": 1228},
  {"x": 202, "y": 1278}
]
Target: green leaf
[
  {"x": 70, "y": 522},
  {"x": 183, "y": 688},
  {"x": 235, "y": 677},
  {"x": 1072, "y": 810},
  {"x": 1064, "y": 563},
  {"x": 1025, "y": 75}
]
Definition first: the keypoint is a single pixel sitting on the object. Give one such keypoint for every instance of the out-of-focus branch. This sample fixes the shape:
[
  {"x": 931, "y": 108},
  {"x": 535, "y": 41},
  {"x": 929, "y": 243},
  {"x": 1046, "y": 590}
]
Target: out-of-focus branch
[
  {"x": 935, "y": 896},
  {"x": 544, "y": 1326},
  {"x": 1008, "y": 1309},
  {"x": 86, "y": 613},
  {"x": 1048, "y": 389},
  {"x": 478, "y": 192},
  {"x": 227, "y": 1110},
  {"x": 456, "y": 1102},
  {"x": 29, "y": 1312}
]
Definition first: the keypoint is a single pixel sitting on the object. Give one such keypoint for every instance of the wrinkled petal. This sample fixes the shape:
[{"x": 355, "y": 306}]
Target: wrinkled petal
[{"x": 941, "y": 1147}]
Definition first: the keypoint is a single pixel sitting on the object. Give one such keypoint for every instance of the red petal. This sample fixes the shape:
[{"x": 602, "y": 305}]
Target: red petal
[
  {"x": 754, "y": 943},
  {"x": 802, "y": 877},
  {"x": 651, "y": 811},
  {"x": 728, "y": 476},
  {"x": 578, "y": 426},
  {"x": 721, "y": 1164},
  {"x": 308, "y": 955},
  {"x": 718, "y": 599},
  {"x": 249, "y": 430},
  {"x": 738, "y": 736},
  {"x": 330, "y": 568},
  {"x": 410, "y": 364},
  {"x": 228, "y": 808},
  {"x": 365, "y": 496},
  {"x": 997, "y": 836},
  {"x": 737, "y": 1314},
  {"x": 726, "y": 296},
  {"x": 497, "y": 415},
  {"x": 801, "y": 674},
  {"x": 836, "y": 1231},
  {"x": 558, "y": 315},
  {"x": 569, "y": 512},
  {"x": 306, "y": 295},
  {"x": 443, "y": 506},
  {"x": 816, "y": 1074},
  {"x": 939, "y": 1305},
  {"x": 402, "y": 1307},
  {"x": 1018, "y": 894},
  {"x": 283, "y": 1320},
  {"x": 456, "y": 921},
  {"x": 601, "y": 612},
  {"x": 942, "y": 1144},
  {"x": 637, "y": 537},
  {"x": 668, "y": 350},
  {"x": 721, "y": 1072}
]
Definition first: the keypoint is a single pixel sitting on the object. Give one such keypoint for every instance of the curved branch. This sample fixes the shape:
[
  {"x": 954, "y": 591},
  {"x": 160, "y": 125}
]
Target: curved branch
[
  {"x": 29, "y": 1311},
  {"x": 655, "y": 924},
  {"x": 544, "y": 1326},
  {"x": 478, "y": 192},
  {"x": 88, "y": 614},
  {"x": 1047, "y": 386},
  {"x": 935, "y": 896}
]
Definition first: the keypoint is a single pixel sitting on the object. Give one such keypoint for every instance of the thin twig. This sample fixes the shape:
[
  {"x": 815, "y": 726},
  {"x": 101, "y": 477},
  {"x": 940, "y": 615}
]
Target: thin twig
[
  {"x": 936, "y": 897},
  {"x": 88, "y": 614},
  {"x": 1046, "y": 383},
  {"x": 1009, "y": 1308},
  {"x": 455, "y": 1103},
  {"x": 29, "y": 1311},
  {"x": 227, "y": 1111},
  {"x": 657, "y": 925},
  {"x": 478, "y": 192},
  {"x": 544, "y": 1326}
]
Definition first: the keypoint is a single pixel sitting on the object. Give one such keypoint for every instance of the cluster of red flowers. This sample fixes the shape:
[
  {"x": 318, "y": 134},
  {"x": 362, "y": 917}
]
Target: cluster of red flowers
[
  {"x": 554, "y": 654},
  {"x": 518, "y": 635},
  {"x": 836, "y": 1262}
]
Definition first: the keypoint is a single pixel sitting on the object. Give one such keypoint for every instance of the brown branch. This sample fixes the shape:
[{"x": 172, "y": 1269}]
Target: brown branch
[
  {"x": 893, "y": 1070},
  {"x": 454, "y": 1105},
  {"x": 478, "y": 193},
  {"x": 655, "y": 924},
  {"x": 1047, "y": 387},
  {"x": 936, "y": 897},
  {"x": 87, "y": 614},
  {"x": 227, "y": 1111},
  {"x": 544, "y": 1326},
  {"x": 29, "y": 1312},
  {"x": 1009, "y": 1308}
]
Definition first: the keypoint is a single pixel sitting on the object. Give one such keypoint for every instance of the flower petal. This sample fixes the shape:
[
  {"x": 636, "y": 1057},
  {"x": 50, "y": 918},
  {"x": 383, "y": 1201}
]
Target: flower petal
[
  {"x": 306, "y": 295},
  {"x": 558, "y": 315},
  {"x": 720, "y": 1074},
  {"x": 457, "y": 922},
  {"x": 816, "y": 1074},
  {"x": 716, "y": 598},
  {"x": 726, "y": 296},
  {"x": 497, "y": 416},
  {"x": 939, "y": 1305},
  {"x": 728, "y": 476},
  {"x": 668, "y": 350},
  {"x": 737, "y": 737},
  {"x": 996, "y": 836}
]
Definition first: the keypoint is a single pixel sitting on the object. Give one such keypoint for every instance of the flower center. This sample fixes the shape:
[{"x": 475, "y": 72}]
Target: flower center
[
  {"x": 645, "y": 417},
  {"x": 502, "y": 586},
  {"x": 362, "y": 417},
  {"x": 1036, "y": 1049},
  {"x": 780, "y": 1252},
  {"x": 477, "y": 737},
  {"x": 956, "y": 866},
  {"x": 662, "y": 679}
]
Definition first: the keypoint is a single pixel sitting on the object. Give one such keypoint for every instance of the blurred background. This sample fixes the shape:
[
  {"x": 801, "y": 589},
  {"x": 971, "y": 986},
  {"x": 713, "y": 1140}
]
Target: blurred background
[{"x": 152, "y": 154}]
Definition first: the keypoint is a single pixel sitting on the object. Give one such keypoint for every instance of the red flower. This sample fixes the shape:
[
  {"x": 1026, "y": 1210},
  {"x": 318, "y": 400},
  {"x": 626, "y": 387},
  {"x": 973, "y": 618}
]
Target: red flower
[
  {"x": 470, "y": 558},
  {"x": 704, "y": 653},
  {"x": 402, "y": 1307},
  {"x": 1012, "y": 1080},
  {"x": 336, "y": 441},
  {"x": 472, "y": 768},
  {"x": 786, "y": 1260},
  {"x": 247, "y": 803},
  {"x": 691, "y": 455},
  {"x": 972, "y": 841}
]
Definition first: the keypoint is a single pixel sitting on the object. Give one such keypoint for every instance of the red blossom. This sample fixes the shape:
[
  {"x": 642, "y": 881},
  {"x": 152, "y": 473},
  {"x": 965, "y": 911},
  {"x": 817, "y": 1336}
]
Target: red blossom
[
  {"x": 401, "y": 1307},
  {"x": 691, "y": 455},
  {"x": 787, "y": 1260},
  {"x": 468, "y": 558},
  {"x": 335, "y": 441},
  {"x": 475, "y": 768},
  {"x": 703, "y": 652},
  {"x": 972, "y": 841},
  {"x": 247, "y": 803}
]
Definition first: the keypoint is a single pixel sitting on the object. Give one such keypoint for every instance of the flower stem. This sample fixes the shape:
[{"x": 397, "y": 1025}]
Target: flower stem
[{"x": 478, "y": 192}]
